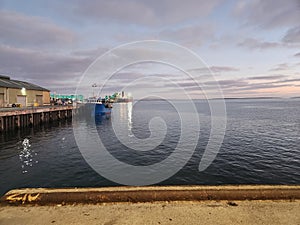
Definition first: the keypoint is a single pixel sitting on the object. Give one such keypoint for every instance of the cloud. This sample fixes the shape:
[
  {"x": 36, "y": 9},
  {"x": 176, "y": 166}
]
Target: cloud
[
  {"x": 126, "y": 76},
  {"x": 288, "y": 81},
  {"x": 46, "y": 69},
  {"x": 215, "y": 69},
  {"x": 292, "y": 35},
  {"x": 231, "y": 86},
  {"x": 61, "y": 72},
  {"x": 291, "y": 38},
  {"x": 142, "y": 12},
  {"x": 228, "y": 83},
  {"x": 220, "y": 69},
  {"x": 297, "y": 54},
  {"x": 92, "y": 53},
  {"x": 195, "y": 35},
  {"x": 281, "y": 66},
  {"x": 20, "y": 59},
  {"x": 190, "y": 35},
  {"x": 253, "y": 43},
  {"x": 239, "y": 86},
  {"x": 285, "y": 66},
  {"x": 261, "y": 86},
  {"x": 271, "y": 77},
  {"x": 21, "y": 30},
  {"x": 268, "y": 13}
]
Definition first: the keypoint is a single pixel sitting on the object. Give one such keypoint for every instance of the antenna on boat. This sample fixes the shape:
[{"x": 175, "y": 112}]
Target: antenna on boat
[{"x": 94, "y": 85}]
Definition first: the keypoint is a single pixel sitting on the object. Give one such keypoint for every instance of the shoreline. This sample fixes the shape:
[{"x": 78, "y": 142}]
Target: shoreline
[
  {"x": 284, "y": 209},
  {"x": 53, "y": 196}
]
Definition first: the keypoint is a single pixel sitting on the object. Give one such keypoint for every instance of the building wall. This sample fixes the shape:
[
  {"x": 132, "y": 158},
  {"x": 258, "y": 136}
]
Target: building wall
[
  {"x": 46, "y": 97},
  {"x": 3, "y": 93},
  {"x": 2, "y": 97},
  {"x": 2, "y": 89},
  {"x": 10, "y": 96}
]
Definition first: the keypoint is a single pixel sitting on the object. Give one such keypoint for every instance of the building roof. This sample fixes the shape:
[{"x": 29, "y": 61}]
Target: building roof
[{"x": 5, "y": 81}]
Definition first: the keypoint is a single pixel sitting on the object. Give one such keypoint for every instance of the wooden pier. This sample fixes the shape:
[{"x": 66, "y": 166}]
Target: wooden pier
[{"x": 14, "y": 118}]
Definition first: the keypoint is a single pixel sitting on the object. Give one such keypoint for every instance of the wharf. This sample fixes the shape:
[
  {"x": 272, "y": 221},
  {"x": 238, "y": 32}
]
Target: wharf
[{"x": 14, "y": 118}]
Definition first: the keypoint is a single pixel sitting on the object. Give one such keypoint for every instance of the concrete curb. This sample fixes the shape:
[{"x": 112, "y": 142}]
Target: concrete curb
[{"x": 45, "y": 196}]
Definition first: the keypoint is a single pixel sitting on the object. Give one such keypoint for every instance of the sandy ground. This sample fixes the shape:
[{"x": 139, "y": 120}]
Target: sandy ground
[{"x": 204, "y": 212}]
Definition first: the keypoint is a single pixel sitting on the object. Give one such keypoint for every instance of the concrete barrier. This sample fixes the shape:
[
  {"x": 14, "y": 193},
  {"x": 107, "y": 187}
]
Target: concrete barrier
[{"x": 45, "y": 196}]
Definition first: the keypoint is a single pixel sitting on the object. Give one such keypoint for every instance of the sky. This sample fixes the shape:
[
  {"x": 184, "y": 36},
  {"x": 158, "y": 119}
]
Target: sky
[{"x": 247, "y": 48}]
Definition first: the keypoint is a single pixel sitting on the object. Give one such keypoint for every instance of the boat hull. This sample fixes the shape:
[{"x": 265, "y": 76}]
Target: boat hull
[
  {"x": 98, "y": 109},
  {"x": 101, "y": 109}
]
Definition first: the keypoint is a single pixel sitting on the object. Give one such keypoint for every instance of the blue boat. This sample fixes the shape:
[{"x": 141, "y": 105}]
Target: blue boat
[
  {"x": 102, "y": 108},
  {"x": 99, "y": 107}
]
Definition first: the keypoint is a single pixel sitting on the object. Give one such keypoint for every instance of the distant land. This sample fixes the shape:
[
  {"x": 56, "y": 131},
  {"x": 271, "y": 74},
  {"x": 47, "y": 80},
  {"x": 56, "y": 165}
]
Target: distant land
[
  {"x": 247, "y": 98},
  {"x": 250, "y": 98}
]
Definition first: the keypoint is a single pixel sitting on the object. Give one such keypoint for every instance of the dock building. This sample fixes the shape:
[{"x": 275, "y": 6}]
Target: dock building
[{"x": 21, "y": 93}]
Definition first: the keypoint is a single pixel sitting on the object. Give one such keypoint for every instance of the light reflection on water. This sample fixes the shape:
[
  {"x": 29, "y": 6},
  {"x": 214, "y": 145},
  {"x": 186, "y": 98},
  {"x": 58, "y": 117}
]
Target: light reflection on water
[
  {"x": 27, "y": 155},
  {"x": 129, "y": 110}
]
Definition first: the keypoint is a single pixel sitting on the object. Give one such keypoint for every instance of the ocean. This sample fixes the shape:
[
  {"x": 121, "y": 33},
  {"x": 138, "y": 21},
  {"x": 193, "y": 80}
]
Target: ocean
[{"x": 261, "y": 145}]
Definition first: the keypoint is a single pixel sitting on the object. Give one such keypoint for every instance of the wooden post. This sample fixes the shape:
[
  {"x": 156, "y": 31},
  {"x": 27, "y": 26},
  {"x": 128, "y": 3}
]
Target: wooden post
[
  {"x": 18, "y": 121},
  {"x": 42, "y": 117},
  {"x": 1, "y": 124}
]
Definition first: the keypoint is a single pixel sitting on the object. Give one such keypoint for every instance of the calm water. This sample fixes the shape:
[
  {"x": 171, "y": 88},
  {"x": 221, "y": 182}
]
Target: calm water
[{"x": 261, "y": 146}]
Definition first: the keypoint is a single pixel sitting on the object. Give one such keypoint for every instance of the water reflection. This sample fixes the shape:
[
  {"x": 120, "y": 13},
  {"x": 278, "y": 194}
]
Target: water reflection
[
  {"x": 129, "y": 110},
  {"x": 146, "y": 132},
  {"x": 124, "y": 112},
  {"x": 26, "y": 155}
]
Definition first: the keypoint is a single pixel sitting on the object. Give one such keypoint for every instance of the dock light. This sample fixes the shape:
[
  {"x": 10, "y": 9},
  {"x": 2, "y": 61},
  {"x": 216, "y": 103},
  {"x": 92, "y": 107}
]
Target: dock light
[{"x": 23, "y": 91}]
